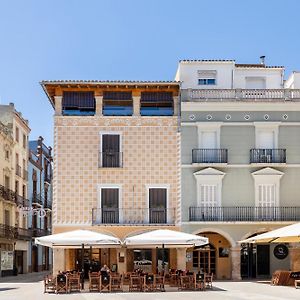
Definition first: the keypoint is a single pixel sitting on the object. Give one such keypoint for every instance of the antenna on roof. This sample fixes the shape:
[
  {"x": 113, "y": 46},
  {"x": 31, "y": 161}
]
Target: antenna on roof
[{"x": 262, "y": 59}]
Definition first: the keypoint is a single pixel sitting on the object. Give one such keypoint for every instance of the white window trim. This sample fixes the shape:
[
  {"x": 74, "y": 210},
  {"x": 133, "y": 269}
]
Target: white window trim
[
  {"x": 211, "y": 127},
  {"x": 110, "y": 186},
  {"x": 267, "y": 176},
  {"x": 262, "y": 126},
  {"x": 210, "y": 176},
  {"x": 157, "y": 186},
  {"x": 101, "y": 133}
]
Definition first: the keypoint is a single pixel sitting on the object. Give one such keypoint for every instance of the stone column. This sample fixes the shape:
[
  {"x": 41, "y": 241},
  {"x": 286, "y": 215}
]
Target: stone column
[
  {"x": 58, "y": 105},
  {"x": 176, "y": 105},
  {"x": 136, "y": 105},
  {"x": 58, "y": 260},
  {"x": 294, "y": 252},
  {"x": 181, "y": 258},
  {"x": 235, "y": 253},
  {"x": 99, "y": 105}
]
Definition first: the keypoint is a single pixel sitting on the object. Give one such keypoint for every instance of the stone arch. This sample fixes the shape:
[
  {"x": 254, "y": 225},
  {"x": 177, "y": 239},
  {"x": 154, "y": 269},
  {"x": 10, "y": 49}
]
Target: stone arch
[
  {"x": 255, "y": 232},
  {"x": 219, "y": 231}
]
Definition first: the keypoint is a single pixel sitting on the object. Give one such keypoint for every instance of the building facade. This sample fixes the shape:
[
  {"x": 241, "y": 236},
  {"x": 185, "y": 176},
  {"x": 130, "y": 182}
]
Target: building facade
[
  {"x": 116, "y": 166},
  {"x": 40, "y": 197},
  {"x": 240, "y": 156},
  {"x": 13, "y": 195}
]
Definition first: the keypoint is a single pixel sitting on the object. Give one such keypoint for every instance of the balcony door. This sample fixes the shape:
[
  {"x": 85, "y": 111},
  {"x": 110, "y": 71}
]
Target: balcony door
[
  {"x": 158, "y": 205},
  {"x": 111, "y": 150},
  {"x": 110, "y": 205},
  {"x": 209, "y": 146}
]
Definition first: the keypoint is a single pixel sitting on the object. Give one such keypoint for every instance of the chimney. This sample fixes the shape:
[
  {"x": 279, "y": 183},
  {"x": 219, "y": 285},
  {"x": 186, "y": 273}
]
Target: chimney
[{"x": 262, "y": 59}]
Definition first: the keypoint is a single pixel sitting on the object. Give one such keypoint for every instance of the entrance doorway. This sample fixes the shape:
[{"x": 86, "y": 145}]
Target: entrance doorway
[
  {"x": 255, "y": 261},
  {"x": 204, "y": 259}
]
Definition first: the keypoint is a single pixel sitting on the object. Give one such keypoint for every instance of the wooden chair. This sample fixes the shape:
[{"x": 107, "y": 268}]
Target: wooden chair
[
  {"x": 61, "y": 285},
  {"x": 173, "y": 279},
  {"x": 116, "y": 283},
  {"x": 73, "y": 282},
  {"x": 199, "y": 281},
  {"x": 186, "y": 282},
  {"x": 49, "y": 284},
  {"x": 105, "y": 282},
  {"x": 94, "y": 281},
  {"x": 135, "y": 284},
  {"x": 208, "y": 280},
  {"x": 148, "y": 283},
  {"x": 159, "y": 283}
]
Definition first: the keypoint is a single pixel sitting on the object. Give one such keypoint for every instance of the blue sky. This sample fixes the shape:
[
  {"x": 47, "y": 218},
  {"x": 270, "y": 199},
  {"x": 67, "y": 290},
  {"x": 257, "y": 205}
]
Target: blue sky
[{"x": 142, "y": 40}]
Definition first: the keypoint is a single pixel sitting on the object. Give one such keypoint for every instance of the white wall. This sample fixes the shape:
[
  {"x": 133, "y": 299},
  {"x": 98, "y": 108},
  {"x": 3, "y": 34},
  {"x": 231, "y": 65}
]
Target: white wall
[{"x": 293, "y": 82}]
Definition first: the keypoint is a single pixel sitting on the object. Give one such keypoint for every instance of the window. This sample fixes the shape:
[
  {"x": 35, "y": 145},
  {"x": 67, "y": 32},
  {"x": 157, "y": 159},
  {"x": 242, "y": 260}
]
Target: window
[
  {"x": 207, "y": 77},
  {"x": 117, "y": 104},
  {"x": 78, "y": 104},
  {"x": 17, "y": 134},
  {"x": 24, "y": 141},
  {"x": 157, "y": 104},
  {"x": 7, "y": 181},
  {"x": 110, "y": 155},
  {"x": 6, "y": 153},
  {"x": 109, "y": 205},
  {"x": 158, "y": 205},
  {"x": 206, "y": 81},
  {"x": 17, "y": 187}
]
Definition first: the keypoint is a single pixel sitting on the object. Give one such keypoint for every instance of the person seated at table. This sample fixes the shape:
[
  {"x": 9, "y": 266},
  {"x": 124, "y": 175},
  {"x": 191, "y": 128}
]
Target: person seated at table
[{"x": 105, "y": 270}]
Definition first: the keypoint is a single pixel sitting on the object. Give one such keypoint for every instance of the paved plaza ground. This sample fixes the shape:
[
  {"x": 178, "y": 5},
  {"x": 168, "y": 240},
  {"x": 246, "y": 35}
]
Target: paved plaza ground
[{"x": 30, "y": 287}]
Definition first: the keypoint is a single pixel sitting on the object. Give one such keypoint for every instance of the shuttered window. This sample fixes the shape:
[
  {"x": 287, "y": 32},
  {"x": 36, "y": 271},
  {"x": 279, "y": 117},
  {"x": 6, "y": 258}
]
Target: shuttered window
[
  {"x": 110, "y": 205},
  {"x": 158, "y": 205},
  {"x": 267, "y": 195},
  {"x": 111, "y": 155},
  {"x": 208, "y": 195},
  {"x": 74, "y": 103}
]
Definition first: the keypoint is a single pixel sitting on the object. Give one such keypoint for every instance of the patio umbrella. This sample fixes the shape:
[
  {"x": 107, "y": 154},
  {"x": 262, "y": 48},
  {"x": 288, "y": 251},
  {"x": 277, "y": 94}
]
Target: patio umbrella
[
  {"x": 165, "y": 238},
  {"x": 287, "y": 234},
  {"x": 77, "y": 239}
]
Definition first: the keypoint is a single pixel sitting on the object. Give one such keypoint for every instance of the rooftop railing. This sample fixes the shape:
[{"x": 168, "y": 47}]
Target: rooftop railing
[
  {"x": 244, "y": 214},
  {"x": 240, "y": 95}
]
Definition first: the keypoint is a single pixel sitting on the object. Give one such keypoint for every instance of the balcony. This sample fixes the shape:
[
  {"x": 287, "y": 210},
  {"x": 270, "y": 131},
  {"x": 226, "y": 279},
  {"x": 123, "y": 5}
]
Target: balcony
[
  {"x": 8, "y": 232},
  {"x": 207, "y": 156},
  {"x": 47, "y": 178},
  {"x": 24, "y": 233},
  {"x": 268, "y": 156},
  {"x": 141, "y": 216},
  {"x": 36, "y": 199},
  {"x": 110, "y": 159},
  {"x": 7, "y": 194},
  {"x": 244, "y": 214},
  {"x": 18, "y": 170},
  {"x": 21, "y": 201},
  {"x": 37, "y": 232},
  {"x": 48, "y": 205},
  {"x": 260, "y": 95}
]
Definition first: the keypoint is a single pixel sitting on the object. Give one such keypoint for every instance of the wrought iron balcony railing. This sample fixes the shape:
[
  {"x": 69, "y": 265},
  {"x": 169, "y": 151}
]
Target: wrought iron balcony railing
[
  {"x": 206, "y": 156},
  {"x": 245, "y": 95},
  {"x": 268, "y": 156},
  {"x": 37, "y": 232},
  {"x": 133, "y": 216},
  {"x": 21, "y": 201},
  {"x": 7, "y": 194},
  {"x": 110, "y": 159},
  {"x": 244, "y": 213},
  {"x": 24, "y": 233},
  {"x": 36, "y": 199},
  {"x": 8, "y": 232}
]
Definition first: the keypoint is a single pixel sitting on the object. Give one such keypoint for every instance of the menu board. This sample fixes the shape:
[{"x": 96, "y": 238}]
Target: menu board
[{"x": 7, "y": 260}]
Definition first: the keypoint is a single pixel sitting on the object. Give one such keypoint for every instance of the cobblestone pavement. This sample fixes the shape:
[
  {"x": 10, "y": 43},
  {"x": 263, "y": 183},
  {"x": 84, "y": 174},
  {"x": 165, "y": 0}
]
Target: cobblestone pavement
[{"x": 30, "y": 287}]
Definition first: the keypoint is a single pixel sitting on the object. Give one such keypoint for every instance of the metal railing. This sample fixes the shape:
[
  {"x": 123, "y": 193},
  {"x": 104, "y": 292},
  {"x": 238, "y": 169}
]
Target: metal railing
[
  {"x": 36, "y": 199},
  {"x": 267, "y": 156},
  {"x": 37, "y": 232},
  {"x": 244, "y": 213},
  {"x": 133, "y": 216},
  {"x": 18, "y": 170},
  {"x": 24, "y": 233},
  {"x": 110, "y": 159},
  {"x": 7, "y": 194},
  {"x": 8, "y": 232},
  {"x": 21, "y": 201},
  {"x": 48, "y": 205},
  {"x": 209, "y": 156},
  {"x": 241, "y": 95}
]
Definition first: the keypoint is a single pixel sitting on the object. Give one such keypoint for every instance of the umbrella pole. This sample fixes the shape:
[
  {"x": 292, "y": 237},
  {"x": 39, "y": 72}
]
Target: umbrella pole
[
  {"x": 82, "y": 266},
  {"x": 163, "y": 266}
]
